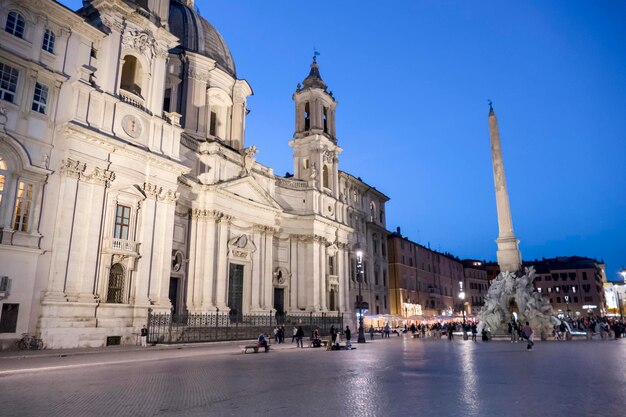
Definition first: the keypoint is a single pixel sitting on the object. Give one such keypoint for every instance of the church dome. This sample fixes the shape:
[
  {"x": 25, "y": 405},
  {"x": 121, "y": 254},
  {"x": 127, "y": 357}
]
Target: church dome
[{"x": 198, "y": 35}]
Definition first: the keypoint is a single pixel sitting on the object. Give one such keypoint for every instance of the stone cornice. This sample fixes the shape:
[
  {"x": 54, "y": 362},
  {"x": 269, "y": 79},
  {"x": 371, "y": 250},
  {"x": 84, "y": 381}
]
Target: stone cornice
[
  {"x": 115, "y": 145},
  {"x": 157, "y": 192},
  {"x": 76, "y": 169}
]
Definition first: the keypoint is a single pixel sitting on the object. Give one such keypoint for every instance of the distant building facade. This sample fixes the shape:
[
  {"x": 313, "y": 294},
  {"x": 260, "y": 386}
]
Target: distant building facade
[
  {"x": 476, "y": 283},
  {"x": 573, "y": 284},
  {"x": 422, "y": 281}
]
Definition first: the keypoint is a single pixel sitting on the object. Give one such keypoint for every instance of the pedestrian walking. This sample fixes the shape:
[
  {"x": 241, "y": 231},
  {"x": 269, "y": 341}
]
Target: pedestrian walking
[
  {"x": 527, "y": 331},
  {"x": 299, "y": 336},
  {"x": 513, "y": 325},
  {"x": 474, "y": 331},
  {"x": 144, "y": 336},
  {"x": 294, "y": 331},
  {"x": 348, "y": 335}
]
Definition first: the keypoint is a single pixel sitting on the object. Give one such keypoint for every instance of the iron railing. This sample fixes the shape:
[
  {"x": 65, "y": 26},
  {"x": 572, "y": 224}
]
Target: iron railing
[{"x": 215, "y": 326}]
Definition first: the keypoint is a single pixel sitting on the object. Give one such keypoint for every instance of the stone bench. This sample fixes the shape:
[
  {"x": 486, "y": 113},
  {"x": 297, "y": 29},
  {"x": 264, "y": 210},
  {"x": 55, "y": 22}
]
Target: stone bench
[{"x": 255, "y": 348}]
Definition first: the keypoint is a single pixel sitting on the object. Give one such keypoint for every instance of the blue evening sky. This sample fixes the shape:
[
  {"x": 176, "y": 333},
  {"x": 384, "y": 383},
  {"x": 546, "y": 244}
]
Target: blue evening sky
[{"x": 412, "y": 79}]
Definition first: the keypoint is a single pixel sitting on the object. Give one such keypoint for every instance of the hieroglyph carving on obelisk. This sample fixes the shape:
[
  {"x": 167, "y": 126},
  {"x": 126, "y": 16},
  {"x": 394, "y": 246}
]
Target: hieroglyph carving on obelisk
[{"x": 509, "y": 257}]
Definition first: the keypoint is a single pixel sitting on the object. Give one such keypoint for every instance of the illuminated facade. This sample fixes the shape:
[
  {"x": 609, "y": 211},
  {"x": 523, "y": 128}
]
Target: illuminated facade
[
  {"x": 422, "y": 279},
  {"x": 126, "y": 182}
]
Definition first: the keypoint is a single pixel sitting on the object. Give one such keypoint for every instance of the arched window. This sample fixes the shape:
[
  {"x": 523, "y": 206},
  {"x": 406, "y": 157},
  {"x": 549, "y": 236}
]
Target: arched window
[
  {"x": 115, "y": 289},
  {"x": 325, "y": 115},
  {"x": 15, "y": 24},
  {"x": 372, "y": 211},
  {"x": 307, "y": 117},
  {"x": 48, "y": 41},
  {"x": 3, "y": 174},
  {"x": 131, "y": 75},
  {"x": 325, "y": 181}
]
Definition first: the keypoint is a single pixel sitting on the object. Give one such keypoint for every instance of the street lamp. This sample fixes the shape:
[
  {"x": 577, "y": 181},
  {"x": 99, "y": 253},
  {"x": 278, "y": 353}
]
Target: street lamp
[
  {"x": 566, "y": 305},
  {"x": 462, "y": 297},
  {"x": 359, "y": 271}
]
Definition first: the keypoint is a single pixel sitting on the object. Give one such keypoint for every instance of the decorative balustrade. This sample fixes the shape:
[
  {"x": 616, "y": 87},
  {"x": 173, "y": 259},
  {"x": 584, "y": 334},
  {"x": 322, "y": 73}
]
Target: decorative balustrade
[
  {"x": 134, "y": 100},
  {"x": 122, "y": 245},
  {"x": 293, "y": 184}
]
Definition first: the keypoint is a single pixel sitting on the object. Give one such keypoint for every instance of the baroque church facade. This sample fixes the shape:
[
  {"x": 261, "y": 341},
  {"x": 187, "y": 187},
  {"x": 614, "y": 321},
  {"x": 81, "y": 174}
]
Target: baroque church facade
[{"x": 126, "y": 183}]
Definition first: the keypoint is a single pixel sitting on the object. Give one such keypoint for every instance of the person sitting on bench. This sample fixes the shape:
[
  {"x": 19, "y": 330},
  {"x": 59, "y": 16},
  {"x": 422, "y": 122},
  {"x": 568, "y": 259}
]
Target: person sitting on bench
[{"x": 261, "y": 342}]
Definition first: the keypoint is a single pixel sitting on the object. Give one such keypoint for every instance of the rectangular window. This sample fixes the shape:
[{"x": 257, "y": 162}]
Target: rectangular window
[
  {"x": 213, "y": 124},
  {"x": 575, "y": 299},
  {"x": 40, "y": 98},
  {"x": 48, "y": 41},
  {"x": 23, "y": 203},
  {"x": 572, "y": 276},
  {"x": 122, "y": 222},
  {"x": 167, "y": 99},
  {"x": 8, "y": 82},
  {"x": 584, "y": 275},
  {"x": 331, "y": 265},
  {"x": 8, "y": 319},
  {"x": 558, "y": 299},
  {"x": 538, "y": 278},
  {"x": 385, "y": 302}
]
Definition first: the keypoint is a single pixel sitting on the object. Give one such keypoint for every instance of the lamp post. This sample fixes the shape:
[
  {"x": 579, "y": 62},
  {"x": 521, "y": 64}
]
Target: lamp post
[
  {"x": 359, "y": 271},
  {"x": 566, "y": 305},
  {"x": 623, "y": 274},
  {"x": 462, "y": 298}
]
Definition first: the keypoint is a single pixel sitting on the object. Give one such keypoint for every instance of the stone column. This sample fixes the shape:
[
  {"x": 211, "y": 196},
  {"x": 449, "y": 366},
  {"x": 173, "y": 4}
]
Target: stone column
[
  {"x": 85, "y": 238},
  {"x": 268, "y": 275},
  {"x": 341, "y": 278},
  {"x": 323, "y": 275},
  {"x": 208, "y": 273},
  {"x": 301, "y": 272},
  {"x": 293, "y": 269},
  {"x": 222, "y": 264},
  {"x": 256, "y": 270},
  {"x": 70, "y": 172},
  {"x": 195, "y": 275},
  {"x": 509, "y": 257},
  {"x": 162, "y": 262}
]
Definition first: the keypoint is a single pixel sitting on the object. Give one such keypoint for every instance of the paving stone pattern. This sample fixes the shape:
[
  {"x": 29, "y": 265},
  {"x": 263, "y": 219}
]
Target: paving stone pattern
[{"x": 392, "y": 377}]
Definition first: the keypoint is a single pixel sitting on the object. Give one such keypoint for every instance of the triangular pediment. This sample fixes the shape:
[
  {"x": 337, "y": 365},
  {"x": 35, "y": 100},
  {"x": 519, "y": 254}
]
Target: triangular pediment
[{"x": 247, "y": 189}]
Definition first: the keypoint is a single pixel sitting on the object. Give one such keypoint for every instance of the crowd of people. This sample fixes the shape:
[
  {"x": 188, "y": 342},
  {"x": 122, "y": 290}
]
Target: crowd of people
[{"x": 605, "y": 327}]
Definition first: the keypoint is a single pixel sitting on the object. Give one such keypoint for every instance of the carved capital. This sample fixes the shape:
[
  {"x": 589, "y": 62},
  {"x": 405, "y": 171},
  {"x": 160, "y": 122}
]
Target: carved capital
[
  {"x": 100, "y": 176},
  {"x": 71, "y": 168}
]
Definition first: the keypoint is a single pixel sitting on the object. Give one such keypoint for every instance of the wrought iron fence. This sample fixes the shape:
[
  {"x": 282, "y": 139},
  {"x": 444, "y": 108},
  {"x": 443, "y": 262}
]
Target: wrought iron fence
[{"x": 216, "y": 326}]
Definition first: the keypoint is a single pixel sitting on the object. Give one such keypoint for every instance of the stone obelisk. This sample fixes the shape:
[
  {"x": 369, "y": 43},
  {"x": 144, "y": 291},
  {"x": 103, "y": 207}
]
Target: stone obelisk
[{"x": 509, "y": 257}]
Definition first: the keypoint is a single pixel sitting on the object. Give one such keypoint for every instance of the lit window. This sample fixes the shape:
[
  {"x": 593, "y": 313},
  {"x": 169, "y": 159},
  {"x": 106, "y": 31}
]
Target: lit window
[
  {"x": 15, "y": 24},
  {"x": 48, "y": 41},
  {"x": 8, "y": 82},
  {"x": 122, "y": 222},
  {"x": 3, "y": 174},
  {"x": 40, "y": 98},
  {"x": 23, "y": 204}
]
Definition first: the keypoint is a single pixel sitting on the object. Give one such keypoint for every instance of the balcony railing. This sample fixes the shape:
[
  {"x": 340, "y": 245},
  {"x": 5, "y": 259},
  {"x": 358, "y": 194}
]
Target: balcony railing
[
  {"x": 122, "y": 245},
  {"x": 134, "y": 100}
]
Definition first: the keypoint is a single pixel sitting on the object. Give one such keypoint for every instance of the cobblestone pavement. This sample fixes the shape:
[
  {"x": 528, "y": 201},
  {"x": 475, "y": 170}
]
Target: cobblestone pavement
[{"x": 393, "y": 377}]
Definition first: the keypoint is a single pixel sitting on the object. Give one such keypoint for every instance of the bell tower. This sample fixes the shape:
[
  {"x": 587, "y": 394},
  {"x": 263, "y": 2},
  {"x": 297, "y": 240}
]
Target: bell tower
[{"x": 315, "y": 150}]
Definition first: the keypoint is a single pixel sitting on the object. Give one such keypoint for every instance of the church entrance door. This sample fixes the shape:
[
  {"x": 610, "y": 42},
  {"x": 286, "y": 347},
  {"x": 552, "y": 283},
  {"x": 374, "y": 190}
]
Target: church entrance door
[
  {"x": 173, "y": 293},
  {"x": 235, "y": 292},
  {"x": 279, "y": 301}
]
